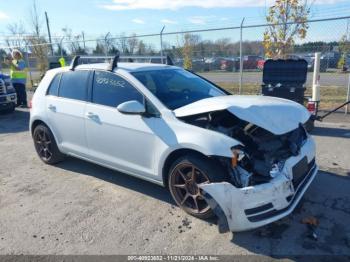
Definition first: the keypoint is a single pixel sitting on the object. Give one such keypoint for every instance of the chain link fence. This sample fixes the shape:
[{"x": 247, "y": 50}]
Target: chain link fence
[{"x": 214, "y": 53}]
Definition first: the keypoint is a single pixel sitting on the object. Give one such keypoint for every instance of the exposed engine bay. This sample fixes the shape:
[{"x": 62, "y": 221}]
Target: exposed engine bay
[{"x": 261, "y": 155}]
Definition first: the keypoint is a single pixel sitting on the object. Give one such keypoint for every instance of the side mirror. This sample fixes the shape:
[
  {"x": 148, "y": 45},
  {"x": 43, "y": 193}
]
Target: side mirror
[{"x": 132, "y": 107}]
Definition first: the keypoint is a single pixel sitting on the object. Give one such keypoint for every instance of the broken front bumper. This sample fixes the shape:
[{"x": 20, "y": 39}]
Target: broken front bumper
[{"x": 246, "y": 208}]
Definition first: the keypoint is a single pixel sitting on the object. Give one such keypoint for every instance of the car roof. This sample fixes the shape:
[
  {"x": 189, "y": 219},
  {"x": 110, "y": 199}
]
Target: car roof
[{"x": 131, "y": 67}]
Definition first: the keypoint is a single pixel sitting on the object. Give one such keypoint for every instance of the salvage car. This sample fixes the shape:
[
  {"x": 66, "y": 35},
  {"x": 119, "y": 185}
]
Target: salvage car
[{"x": 246, "y": 159}]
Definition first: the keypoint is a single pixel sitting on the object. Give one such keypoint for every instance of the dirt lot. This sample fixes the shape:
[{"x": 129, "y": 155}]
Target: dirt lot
[{"x": 80, "y": 208}]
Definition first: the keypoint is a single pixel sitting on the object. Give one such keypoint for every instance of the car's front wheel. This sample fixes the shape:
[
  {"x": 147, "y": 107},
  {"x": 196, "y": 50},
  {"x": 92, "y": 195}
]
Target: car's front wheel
[
  {"x": 45, "y": 145},
  {"x": 185, "y": 177}
]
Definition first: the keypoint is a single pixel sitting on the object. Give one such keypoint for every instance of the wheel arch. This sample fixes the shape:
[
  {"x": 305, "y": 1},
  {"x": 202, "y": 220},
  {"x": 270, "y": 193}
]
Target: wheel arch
[
  {"x": 35, "y": 124},
  {"x": 175, "y": 155}
]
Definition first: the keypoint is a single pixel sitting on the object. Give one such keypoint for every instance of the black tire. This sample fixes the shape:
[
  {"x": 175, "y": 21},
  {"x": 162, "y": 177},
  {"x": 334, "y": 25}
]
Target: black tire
[
  {"x": 45, "y": 145},
  {"x": 186, "y": 194},
  {"x": 11, "y": 109}
]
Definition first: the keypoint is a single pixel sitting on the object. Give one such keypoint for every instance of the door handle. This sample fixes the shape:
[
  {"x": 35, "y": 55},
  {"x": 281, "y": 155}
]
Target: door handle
[
  {"x": 91, "y": 115},
  {"x": 52, "y": 107}
]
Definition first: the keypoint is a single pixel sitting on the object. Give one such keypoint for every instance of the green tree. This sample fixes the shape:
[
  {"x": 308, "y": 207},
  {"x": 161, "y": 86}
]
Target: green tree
[
  {"x": 190, "y": 42},
  {"x": 344, "y": 49},
  {"x": 287, "y": 21}
]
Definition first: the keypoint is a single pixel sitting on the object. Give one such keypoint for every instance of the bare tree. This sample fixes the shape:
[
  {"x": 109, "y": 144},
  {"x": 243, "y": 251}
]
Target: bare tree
[
  {"x": 132, "y": 42},
  {"x": 222, "y": 45},
  {"x": 74, "y": 41},
  {"x": 36, "y": 40},
  {"x": 123, "y": 43},
  {"x": 109, "y": 44},
  {"x": 141, "y": 48},
  {"x": 35, "y": 19},
  {"x": 16, "y": 37}
]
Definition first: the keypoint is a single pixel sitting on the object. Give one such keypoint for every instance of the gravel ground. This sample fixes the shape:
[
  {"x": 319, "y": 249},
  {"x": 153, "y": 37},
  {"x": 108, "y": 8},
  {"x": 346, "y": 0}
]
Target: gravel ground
[{"x": 81, "y": 208}]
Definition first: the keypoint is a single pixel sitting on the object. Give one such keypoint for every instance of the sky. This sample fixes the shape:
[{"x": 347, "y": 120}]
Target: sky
[{"x": 98, "y": 17}]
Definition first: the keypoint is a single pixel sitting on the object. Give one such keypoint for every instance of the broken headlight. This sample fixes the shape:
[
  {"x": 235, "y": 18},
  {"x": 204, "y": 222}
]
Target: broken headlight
[
  {"x": 237, "y": 155},
  {"x": 239, "y": 175}
]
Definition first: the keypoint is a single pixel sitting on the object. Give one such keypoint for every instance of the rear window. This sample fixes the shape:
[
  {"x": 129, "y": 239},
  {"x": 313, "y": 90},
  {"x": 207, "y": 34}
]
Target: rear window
[
  {"x": 53, "y": 88},
  {"x": 73, "y": 85}
]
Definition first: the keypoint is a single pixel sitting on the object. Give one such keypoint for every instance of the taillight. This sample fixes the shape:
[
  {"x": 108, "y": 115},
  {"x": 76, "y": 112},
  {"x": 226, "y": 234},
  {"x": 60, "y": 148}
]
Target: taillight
[{"x": 311, "y": 107}]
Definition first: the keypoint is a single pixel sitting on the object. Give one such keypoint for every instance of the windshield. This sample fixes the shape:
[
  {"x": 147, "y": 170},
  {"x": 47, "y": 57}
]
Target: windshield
[{"x": 176, "y": 87}]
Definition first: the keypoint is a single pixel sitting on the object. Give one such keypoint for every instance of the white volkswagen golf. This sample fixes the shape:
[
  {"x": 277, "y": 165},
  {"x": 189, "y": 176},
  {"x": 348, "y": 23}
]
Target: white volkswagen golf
[{"x": 247, "y": 159}]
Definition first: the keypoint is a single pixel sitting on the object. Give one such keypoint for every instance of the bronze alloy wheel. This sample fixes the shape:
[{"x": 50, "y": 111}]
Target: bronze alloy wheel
[
  {"x": 184, "y": 186},
  {"x": 43, "y": 145}
]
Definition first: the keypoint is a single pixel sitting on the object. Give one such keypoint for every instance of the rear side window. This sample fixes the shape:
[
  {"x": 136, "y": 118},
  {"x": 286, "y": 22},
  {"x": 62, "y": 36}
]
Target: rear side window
[
  {"x": 73, "y": 85},
  {"x": 53, "y": 88},
  {"x": 111, "y": 90}
]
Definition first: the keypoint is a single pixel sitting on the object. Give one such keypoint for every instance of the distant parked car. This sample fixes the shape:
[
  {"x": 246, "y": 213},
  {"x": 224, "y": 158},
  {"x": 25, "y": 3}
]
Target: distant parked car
[
  {"x": 198, "y": 65},
  {"x": 229, "y": 64},
  {"x": 261, "y": 63},
  {"x": 251, "y": 61},
  {"x": 310, "y": 59},
  {"x": 212, "y": 63},
  {"x": 331, "y": 59},
  {"x": 8, "y": 97},
  {"x": 311, "y": 62}
]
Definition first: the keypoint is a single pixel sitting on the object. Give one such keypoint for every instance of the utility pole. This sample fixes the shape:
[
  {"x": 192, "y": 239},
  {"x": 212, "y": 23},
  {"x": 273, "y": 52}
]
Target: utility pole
[
  {"x": 161, "y": 43},
  {"x": 241, "y": 57},
  {"x": 106, "y": 44},
  {"x": 48, "y": 32},
  {"x": 61, "y": 48},
  {"x": 83, "y": 35}
]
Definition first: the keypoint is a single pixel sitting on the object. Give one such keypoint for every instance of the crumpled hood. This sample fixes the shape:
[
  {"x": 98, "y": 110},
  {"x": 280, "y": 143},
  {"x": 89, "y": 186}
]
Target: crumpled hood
[{"x": 276, "y": 115}]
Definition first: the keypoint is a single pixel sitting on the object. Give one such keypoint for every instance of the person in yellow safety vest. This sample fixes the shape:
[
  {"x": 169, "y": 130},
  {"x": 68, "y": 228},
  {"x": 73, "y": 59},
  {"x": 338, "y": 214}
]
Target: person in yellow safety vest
[
  {"x": 18, "y": 74},
  {"x": 62, "y": 61}
]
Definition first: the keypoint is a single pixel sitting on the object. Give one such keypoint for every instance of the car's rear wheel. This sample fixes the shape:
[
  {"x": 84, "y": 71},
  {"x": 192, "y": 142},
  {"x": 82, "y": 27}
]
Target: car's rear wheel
[
  {"x": 185, "y": 177},
  {"x": 45, "y": 145}
]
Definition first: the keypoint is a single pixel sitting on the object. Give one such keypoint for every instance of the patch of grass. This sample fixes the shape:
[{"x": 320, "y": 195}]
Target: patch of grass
[{"x": 331, "y": 96}]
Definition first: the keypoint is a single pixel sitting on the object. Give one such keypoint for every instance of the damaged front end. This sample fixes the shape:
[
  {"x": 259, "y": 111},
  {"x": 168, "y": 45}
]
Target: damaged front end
[{"x": 266, "y": 175}]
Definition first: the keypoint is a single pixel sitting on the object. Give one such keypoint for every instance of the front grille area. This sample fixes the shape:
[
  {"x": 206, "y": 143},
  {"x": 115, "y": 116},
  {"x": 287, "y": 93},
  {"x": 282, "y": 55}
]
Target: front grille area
[
  {"x": 299, "y": 174},
  {"x": 291, "y": 199},
  {"x": 2, "y": 87},
  {"x": 252, "y": 211}
]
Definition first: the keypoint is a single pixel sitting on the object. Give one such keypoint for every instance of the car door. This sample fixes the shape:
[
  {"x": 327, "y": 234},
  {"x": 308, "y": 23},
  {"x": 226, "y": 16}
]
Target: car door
[
  {"x": 123, "y": 141},
  {"x": 66, "y": 101}
]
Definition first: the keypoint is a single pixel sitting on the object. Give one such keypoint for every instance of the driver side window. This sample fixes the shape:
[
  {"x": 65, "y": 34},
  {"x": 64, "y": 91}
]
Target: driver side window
[{"x": 111, "y": 90}]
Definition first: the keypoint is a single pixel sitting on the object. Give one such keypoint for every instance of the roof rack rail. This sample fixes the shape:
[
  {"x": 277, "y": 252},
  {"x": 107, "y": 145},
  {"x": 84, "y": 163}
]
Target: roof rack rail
[
  {"x": 114, "y": 63},
  {"x": 74, "y": 62},
  {"x": 113, "y": 60},
  {"x": 169, "y": 61}
]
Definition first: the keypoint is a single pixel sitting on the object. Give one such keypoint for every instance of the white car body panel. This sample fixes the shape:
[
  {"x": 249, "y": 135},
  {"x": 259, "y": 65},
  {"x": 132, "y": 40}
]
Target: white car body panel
[
  {"x": 63, "y": 113},
  {"x": 128, "y": 142},
  {"x": 140, "y": 146},
  {"x": 263, "y": 111}
]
